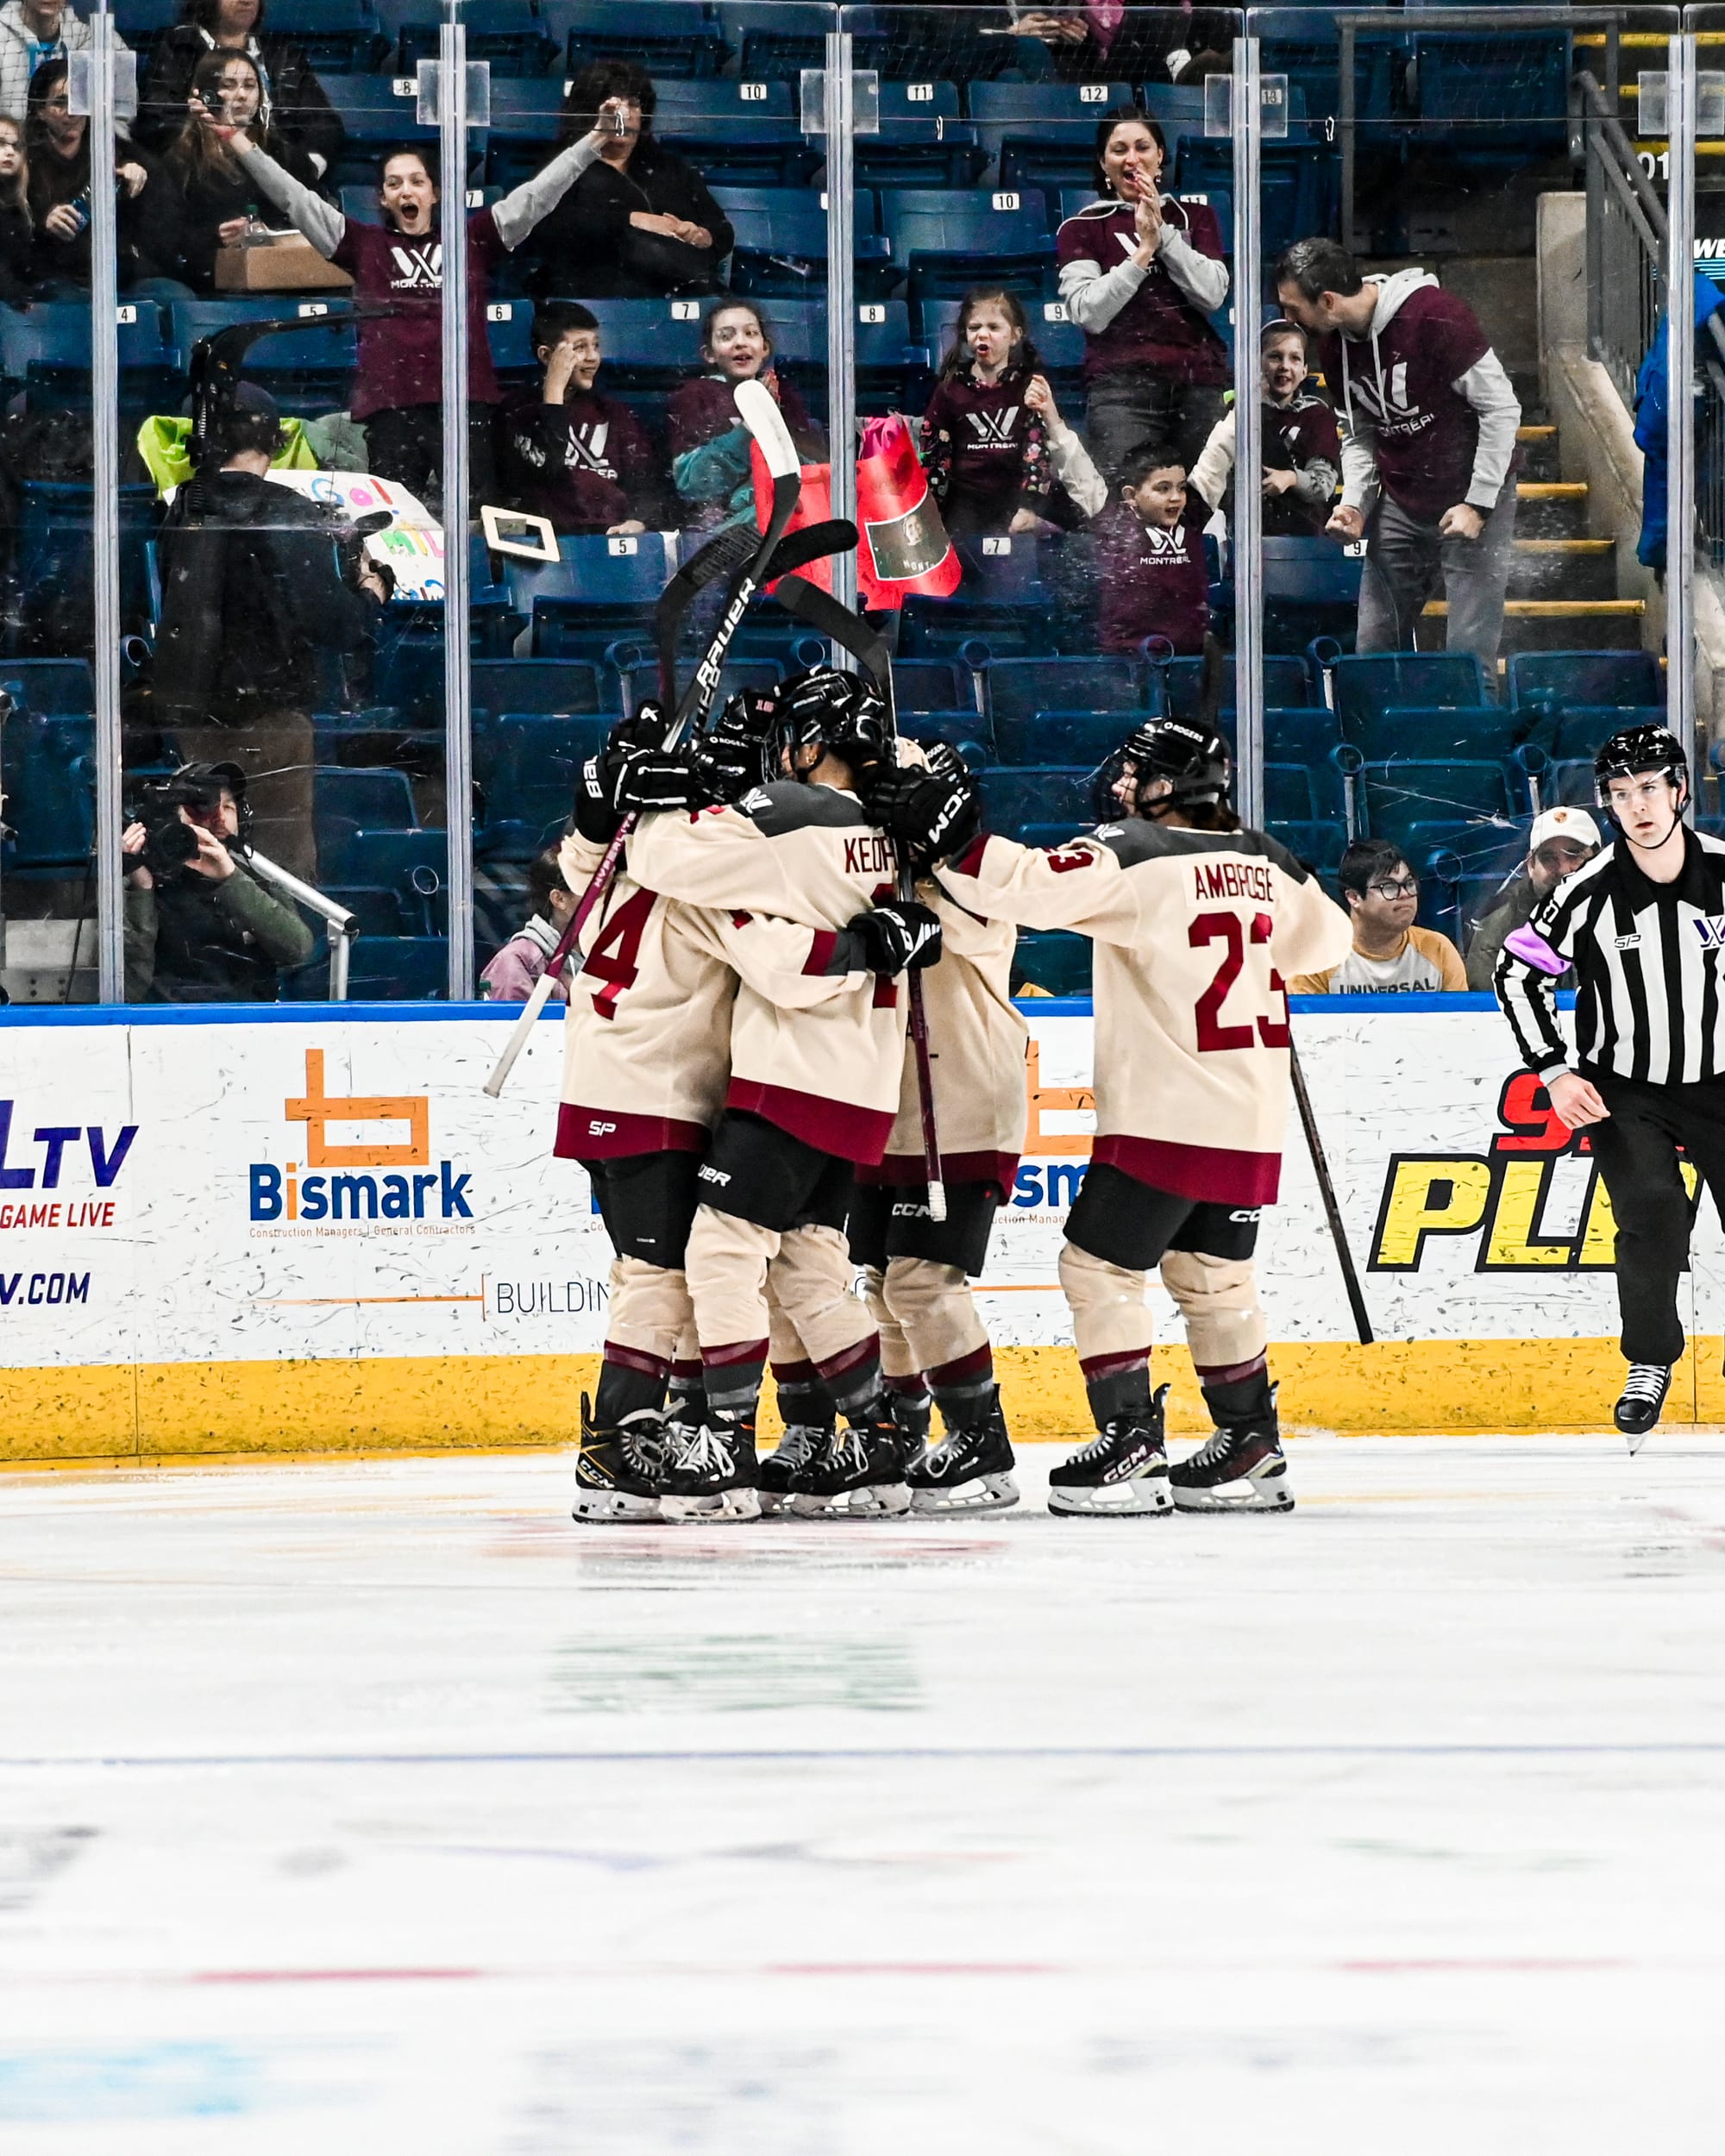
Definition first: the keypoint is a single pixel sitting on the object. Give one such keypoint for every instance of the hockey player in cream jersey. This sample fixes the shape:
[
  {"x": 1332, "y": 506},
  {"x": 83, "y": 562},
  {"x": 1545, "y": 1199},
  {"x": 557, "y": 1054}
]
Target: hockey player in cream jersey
[
  {"x": 917, "y": 1270},
  {"x": 1196, "y": 924},
  {"x": 812, "y": 1092}
]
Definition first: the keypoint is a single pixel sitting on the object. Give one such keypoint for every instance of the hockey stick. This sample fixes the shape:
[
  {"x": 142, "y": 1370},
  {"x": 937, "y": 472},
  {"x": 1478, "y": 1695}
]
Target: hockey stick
[
  {"x": 759, "y": 411},
  {"x": 839, "y": 625},
  {"x": 724, "y": 553},
  {"x": 1326, "y": 1191}
]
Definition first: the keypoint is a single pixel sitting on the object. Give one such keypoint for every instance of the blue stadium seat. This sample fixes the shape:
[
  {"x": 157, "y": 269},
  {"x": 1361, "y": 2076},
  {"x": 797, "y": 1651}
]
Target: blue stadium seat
[
  {"x": 1072, "y": 736},
  {"x": 406, "y": 859},
  {"x": 1299, "y": 733},
  {"x": 933, "y": 684},
  {"x": 1035, "y": 793},
  {"x": 339, "y": 37},
  {"x": 1287, "y": 684},
  {"x": 1361, "y": 685},
  {"x": 376, "y": 110},
  {"x": 507, "y": 34},
  {"x": 138, "y": 21},
  {"x": 781, "y": 238},
  {"x": 1059, "y": 343},
  {"x": 1318, "y": 845},
  {"x": 922, "y": 142},
  {"x": 527, "y": 764},
  {"x": 1403, "y": 798},
  {"x": 49, "y": 768},
  {"x": 49, "y": 687},
  {"x": 286, "y": 362},
  {"x": 371, "y": 799},
  {"x": 54, "y": 340},
  {"x": 641, "y": 681},
  {"x": 1430, "y": 734},
  {"x": 554, "y": 687},
  {"x": 943, "y": 239},
  {"x": 1104, "y": 682},
  {"x": 380, "y": 911},
  {"x": 1001, "y": 603},
  {"x": 1055, "y": 962},
  {"x": 1288, "y": 793},
  {"x": 399, "y": 969},
  {"x": 600, "y": 588},
  {"x": 1042, "y": 133},
  {"x": 509, "y": 326},
  {"x": 747, "y": 133},
  {"x": 1570, "y": 783},
  {"x": 1581, "y": 729},
  {"x": 1552, "y": 679},
  {"x": 673, "y": 41},
  {"x": 963, "y": 731},
  {"x": 1492, "y": 94}
]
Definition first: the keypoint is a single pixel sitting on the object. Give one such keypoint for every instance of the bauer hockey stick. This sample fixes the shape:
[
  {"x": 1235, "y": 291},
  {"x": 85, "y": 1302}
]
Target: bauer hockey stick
[
  {"x": 839, "y": 625},
  {"x": 1326, "y": 1191},
  {"x": 759, "y": 411},
  {"x": 726, "y": 551}
]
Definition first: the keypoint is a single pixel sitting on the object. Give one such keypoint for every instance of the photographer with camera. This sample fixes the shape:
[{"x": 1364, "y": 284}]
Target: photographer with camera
[
  {"x": 200, "y": 927},
  {"x": 257, "y": 582}
]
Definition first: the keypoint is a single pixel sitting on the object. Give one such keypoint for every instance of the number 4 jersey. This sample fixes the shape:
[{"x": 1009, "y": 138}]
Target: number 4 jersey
[{"x": 1196, "y": 934}]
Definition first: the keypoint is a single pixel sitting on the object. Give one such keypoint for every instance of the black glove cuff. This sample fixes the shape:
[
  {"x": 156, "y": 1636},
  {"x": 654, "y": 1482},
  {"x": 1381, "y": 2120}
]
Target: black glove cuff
[{"x": 594, "y": 818}]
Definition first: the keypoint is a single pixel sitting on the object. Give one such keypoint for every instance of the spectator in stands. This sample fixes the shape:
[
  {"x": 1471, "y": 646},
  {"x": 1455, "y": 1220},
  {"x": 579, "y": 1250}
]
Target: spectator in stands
[
  {"x": 251, "y": 593},
  {"x": 220, "y": 201},
  {"x": 57, "y": 142},
  {"x": 1141, "y": 273},
  {"x": 1560, "y": 840},
  {"x": 17, "y": 233},
  {"x": 32, "y": 33},
  {"x": 511, "y": 975},
  {"x": 294, "y": 108},
  {"x": 1429, "y": 422},
  {"x": 200, "y": 926},
  {"x": 709, "y": 445},
  {"x": 1152, "y": 577},
  {"x": 565, "y": 452},
  {"x": 1302, "y": 452},
  {"x": 982, "y": 442},
  {"x": 398, "y": 265},
  {"x": 1105, "y": 40},
  {"x": 640, "y": 222},
  {"x": 1390, "y": 955}
]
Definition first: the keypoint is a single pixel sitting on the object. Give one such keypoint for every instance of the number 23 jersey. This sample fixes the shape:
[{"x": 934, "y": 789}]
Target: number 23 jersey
[{"x": 1196, "y": 934}]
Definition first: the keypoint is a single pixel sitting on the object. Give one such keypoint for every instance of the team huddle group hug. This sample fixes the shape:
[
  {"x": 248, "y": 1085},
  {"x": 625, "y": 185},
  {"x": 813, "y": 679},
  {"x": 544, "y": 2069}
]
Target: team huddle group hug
[{"x": 740, "y": 1088}]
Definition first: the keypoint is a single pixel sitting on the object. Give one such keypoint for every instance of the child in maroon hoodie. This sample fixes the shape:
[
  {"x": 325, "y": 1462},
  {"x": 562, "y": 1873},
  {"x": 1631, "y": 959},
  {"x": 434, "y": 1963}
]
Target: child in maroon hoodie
[
  {"x": 982, "y": 444},
  {"x": 567, "y": 452},
  {"x": 1153, "y": 576}
]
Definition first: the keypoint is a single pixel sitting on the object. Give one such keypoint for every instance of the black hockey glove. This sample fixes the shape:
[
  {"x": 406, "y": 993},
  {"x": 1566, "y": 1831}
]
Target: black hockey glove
[
  {"x": 900, "y": 937},
  {"x": 931, "y": 810},
  {"x": 639, "y": 774}
]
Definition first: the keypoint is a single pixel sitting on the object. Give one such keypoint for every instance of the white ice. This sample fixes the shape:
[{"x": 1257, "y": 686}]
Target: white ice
[{"x": 378, "y": 1807}]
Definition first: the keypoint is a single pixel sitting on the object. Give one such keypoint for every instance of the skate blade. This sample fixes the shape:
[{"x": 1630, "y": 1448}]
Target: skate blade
[
  {"x": 1125, "y": 1500},
  {"x": 1637, "y": 1438},
  {"x": 773, "y": 1501},
  {"x": 1278, "y": 1498},
  {"x": 714, "y": 1512},
  {"x": 613, "y": 1508},
  {"x": 982, "y": 1493},
  {"x": 878, "y": 1500}
]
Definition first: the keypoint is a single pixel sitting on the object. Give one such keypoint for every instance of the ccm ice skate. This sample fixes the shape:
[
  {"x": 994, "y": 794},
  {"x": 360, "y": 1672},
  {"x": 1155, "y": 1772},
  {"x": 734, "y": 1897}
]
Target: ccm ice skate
[
  {"x": 1123, "y": 1473},
  {"x": 710, "y": 1473},
  {"x": 970, "y": 1470},
  {"x": 780, "y": 1468},
  {"x": 856, "y": 1473},
  {"x": 1644, "y": 1396},
  {"x": 1239, "y": 1468},
  {"x": 617, "y": 1471}
]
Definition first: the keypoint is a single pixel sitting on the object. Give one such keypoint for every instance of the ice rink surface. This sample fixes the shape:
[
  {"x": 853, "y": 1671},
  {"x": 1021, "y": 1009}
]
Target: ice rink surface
[{"x": 378, "y": 1807}]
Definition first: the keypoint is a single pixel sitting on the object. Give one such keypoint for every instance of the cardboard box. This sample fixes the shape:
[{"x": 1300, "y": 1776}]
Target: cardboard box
[{"x": 290, "y": 265}]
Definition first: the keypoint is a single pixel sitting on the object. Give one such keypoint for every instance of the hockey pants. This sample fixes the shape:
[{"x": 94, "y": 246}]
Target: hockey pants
[
  {"x": 932, "y": 1335},
  {"x": 1111, "y": 1324},
  {"x": 728, "y": 1259}
]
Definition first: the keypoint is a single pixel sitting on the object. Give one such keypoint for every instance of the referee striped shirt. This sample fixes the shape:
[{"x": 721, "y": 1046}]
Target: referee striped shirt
[{"x": 1647, "y": 958}]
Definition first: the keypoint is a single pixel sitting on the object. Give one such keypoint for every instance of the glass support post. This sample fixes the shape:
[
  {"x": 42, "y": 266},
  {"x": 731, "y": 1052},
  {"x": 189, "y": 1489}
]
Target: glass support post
[
  {"x": 104, "y": 382},
  {"x": 1246, "y": 538},
  {"x": 1682, "y": 91},
  {"x": 452, "y": 121},
  {"x": 841, "y": 302}
]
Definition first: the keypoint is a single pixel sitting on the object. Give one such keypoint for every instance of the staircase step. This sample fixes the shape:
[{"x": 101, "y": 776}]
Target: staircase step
[
  {"x": 1552, "y": 509},
  {"x": 1564, "y": 568},
  {"x": 1562, "y": 624}
]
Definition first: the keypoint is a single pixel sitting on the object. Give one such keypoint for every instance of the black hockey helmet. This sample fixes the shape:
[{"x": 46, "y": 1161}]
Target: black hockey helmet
[
  {"x": 1192, "y": 757},
  {"x": 829, "y": 709},
  {"x": 1635, "y": 751}
]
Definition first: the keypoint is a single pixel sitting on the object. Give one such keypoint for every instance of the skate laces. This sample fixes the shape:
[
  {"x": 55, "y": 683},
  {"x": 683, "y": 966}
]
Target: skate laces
[
  {"x": 700, "y": 1450},
  {"x": 1216, "y": 1446},
  {"x": 797, "y": 1447},
  {"x": 1098, "y": 1448},
  {"x": 845, "y": 1449},
  {"x": 1646, "y": 1381}
]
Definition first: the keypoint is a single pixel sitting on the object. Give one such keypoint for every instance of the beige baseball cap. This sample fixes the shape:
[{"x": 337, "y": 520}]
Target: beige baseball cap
[{"x": 1572, "y": 823}]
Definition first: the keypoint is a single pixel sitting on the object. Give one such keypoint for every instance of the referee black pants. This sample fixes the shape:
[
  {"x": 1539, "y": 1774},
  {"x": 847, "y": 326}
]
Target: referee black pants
[{"x": 1637, "y": 1151}]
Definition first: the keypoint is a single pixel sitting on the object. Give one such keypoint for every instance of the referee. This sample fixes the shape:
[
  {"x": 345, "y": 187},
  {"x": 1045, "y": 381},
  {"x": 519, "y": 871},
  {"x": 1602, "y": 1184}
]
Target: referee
[{"x": 1643, "y": 923}]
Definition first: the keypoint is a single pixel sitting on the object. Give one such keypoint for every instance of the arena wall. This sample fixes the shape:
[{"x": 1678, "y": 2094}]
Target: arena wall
[{"x": 310, "y": 1232}]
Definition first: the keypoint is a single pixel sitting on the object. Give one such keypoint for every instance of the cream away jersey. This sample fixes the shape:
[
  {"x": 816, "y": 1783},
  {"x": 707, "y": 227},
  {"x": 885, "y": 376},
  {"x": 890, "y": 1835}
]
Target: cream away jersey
[
  {"x": 821, "y": 1060},
  {"x": 1196, "y": 934},
  {"x": 976, "y": 1053},
  {"x": 647, "y": 1036}
]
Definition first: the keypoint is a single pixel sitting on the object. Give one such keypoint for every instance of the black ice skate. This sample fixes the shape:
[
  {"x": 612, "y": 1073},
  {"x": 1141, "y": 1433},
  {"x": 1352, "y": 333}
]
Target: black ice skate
[
  {"x": 778, "y": 1470},
  {"x": 1644, "y": 1395},
  {"x": 617, "y": 1471},
  {"x": 710, "y": 1473},
  {"x": 970, "y": 1471},
  {"x": 1241, "y": 1469},
  {"x": 856, "y": 1473},
  {"x": 911, "y": 1411},
  {"x": 1123, "y": 1472}
]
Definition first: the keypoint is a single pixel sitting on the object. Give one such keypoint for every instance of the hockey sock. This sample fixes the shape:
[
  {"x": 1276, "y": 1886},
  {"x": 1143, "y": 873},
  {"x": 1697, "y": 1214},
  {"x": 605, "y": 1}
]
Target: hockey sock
[
  {"x": 1239, "y": 1395},
  {"x": 686, "y": 1394},
  {"x": 853, "y": 1377},
  {"x": 803, "y": 1396},
  {"x": 629, "y": 1382},
  {"x": 1118, "y": 1386},
  {"x": 732, "y": 1376},
  {"x": 963, "y": 1390}
]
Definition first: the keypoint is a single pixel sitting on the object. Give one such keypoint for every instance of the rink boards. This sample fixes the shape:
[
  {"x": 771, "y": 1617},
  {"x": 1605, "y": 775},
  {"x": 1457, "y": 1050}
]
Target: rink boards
[{"x": 305, "y": 1230}]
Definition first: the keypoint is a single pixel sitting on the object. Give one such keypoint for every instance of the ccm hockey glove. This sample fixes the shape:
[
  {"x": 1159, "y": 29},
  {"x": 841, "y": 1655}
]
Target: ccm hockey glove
[
  {"x": 900, "y": 936},
  {"x": 929, "y": 810},
  {"x": 727, "y": 758}
]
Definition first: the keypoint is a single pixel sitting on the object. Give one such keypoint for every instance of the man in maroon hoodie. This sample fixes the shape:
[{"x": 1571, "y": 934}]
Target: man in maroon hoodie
[
  {"x": 1429, "y": 421},
  {"x": 567, "y": 452}
]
